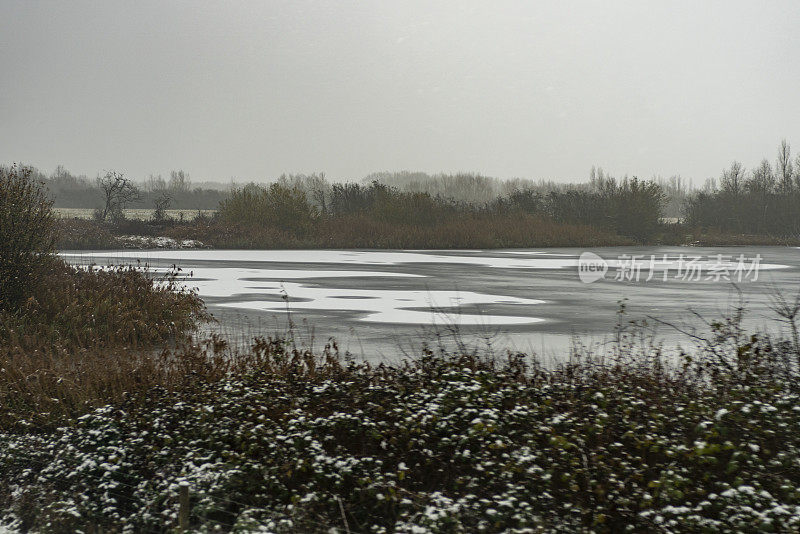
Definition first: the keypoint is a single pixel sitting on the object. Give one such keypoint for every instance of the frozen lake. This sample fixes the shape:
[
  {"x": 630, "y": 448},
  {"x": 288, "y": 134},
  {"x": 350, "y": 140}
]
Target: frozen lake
[{"x": 380, "y": 304}]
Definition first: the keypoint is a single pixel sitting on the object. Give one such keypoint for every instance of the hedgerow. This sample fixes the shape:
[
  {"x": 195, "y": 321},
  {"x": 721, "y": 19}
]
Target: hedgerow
[{"x": 443, "y": 443}]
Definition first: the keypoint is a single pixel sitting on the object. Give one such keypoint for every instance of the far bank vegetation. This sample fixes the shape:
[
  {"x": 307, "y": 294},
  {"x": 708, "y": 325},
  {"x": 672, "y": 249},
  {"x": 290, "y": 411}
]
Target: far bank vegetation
[{"x": 760, "y": 205}]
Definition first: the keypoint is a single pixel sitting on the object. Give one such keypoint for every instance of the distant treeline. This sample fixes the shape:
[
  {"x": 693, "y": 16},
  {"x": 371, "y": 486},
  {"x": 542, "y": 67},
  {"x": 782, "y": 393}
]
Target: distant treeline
[
  {"x": 764, "y": 200},
  {"x": 301, "y": 205},
  {"x": 477, "y": 189},
  {"x": 71, "y": 191}
]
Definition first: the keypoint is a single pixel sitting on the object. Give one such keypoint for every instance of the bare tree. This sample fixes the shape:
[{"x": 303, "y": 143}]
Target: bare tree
[
  {"x": 155, "y": 184},
  {"x": 762, "y": 179},
  {"x": 732, "y": 180},
  {"x": 179, "y": 182},
  {"x": 785, "y": 170},
  {"x": 161, "y": 205},
  {"x": 118, "y": 192},
  {"x": 797, "y": 172}
]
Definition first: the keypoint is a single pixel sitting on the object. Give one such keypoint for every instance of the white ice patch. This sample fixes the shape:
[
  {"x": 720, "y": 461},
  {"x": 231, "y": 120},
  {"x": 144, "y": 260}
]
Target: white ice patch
[
  {"x": 232, "y": 281},
  {"x": 378, "y": 305},
  {"x": 386, "y": 305}
]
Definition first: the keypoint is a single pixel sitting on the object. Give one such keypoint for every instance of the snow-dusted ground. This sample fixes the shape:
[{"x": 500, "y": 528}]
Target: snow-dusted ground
[{"x": 146, "y": 242}]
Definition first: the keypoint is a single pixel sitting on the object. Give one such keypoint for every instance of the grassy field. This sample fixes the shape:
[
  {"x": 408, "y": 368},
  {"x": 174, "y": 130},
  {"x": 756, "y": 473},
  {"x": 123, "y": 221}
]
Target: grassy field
[{"x": 140, "y": 214}]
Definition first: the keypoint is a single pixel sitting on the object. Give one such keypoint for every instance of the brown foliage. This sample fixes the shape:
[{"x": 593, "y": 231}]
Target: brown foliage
[
  {"x": 26, "y": 233},
  {"x": 82, "y": 338}
]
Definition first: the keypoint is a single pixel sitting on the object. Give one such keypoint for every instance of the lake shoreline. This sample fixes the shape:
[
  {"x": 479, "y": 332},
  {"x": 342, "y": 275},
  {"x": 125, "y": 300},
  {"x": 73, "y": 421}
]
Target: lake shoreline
[
  {"x": 521, "y": 233},
  {"x": 111, "y": 242}
]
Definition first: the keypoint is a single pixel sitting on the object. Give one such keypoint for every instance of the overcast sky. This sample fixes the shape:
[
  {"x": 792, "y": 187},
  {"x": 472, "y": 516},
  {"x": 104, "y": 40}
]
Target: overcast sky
[{"x": 509, "y": 89}]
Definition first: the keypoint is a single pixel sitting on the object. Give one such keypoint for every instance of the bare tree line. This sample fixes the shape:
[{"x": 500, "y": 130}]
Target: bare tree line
[
  {"x": 177, "y": 191},
  {"x": 68, "y": 190},
  {"x": 762, "y": 200}
]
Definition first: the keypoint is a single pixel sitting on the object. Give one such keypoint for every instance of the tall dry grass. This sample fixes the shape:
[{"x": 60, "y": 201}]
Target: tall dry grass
[
  {"x": 363, "y": 231},
  {"x": 379, "y": 216},
  {"x": 72, "y": 338},
  {"x": 85, "y": 337}
]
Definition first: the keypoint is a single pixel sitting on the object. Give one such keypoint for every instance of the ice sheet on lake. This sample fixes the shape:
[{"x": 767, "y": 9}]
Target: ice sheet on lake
[
  {"x": 385, "y": 305},
  {"x": 379, "y": 306}
]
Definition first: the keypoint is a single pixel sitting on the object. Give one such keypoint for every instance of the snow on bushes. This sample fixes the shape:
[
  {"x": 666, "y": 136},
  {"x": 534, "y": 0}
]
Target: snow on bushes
[{"x": 441, "y": 444}]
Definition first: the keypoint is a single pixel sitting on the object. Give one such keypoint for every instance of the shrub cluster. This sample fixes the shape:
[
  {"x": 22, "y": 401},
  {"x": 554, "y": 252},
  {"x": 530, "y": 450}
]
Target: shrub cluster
[
  {"x": 84, "y": 234},
  {"x": 74, "y": 308},
  {"x": 764, "y": 200},
  {"x": 26, "y": 234},
  {"x": 445, "y": 443},
  {"x": 275, "y": 206},
  {"x": 376, "y": 215},
  {"x": 746, "y": 212},
  {"x": 82, "y": 338},
  {"x": 629, "y": 207},
  {"x": 73, "y": 338}
]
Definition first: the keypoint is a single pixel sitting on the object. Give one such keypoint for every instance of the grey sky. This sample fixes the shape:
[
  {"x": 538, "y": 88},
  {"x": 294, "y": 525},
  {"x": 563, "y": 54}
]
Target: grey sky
[{"x": 517, "y": 89}]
